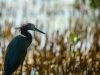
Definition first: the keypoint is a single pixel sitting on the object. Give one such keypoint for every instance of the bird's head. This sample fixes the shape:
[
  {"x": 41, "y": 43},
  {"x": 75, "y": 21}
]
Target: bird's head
[{"x": 30, "y": 26}]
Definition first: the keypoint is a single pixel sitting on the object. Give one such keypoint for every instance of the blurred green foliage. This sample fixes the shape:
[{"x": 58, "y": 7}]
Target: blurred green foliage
[
  {"x": 74, "y": 38},
  {"x": 92, "y": 3},
  {"x": 74, "y": 52},
  {"x": 77, "y": 4},
  {"x": 95, "y": 4}
]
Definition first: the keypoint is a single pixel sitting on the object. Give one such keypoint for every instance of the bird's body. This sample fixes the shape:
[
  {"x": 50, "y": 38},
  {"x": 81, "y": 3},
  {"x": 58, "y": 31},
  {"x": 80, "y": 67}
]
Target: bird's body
[
  {"x": 16, "y": 51},
  {"x": 15, "y": 54}
]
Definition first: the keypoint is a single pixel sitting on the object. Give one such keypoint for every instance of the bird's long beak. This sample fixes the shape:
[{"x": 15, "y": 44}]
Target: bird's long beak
[{"x": 39, "y": 30}]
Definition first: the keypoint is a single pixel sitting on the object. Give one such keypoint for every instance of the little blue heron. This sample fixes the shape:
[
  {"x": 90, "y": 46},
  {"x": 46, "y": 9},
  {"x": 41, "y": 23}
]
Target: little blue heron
[{"x": 17, "y": 49}]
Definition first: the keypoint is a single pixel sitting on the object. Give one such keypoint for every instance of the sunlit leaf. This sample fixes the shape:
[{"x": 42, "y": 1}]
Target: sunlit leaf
[
  {"x": 78, "y": 39},
  {"x": 72, "y": 36}
]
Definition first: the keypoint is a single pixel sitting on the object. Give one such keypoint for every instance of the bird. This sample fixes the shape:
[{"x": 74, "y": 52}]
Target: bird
[{"x": 17, "y": 49}]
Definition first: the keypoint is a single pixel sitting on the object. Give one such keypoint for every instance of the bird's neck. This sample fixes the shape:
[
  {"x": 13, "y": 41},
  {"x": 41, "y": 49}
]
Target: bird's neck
[{"x": 28, "y": 35}]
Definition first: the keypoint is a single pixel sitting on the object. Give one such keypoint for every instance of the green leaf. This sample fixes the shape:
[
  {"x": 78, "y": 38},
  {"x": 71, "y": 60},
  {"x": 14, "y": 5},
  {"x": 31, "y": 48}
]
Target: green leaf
[
  {"x": 94, "y": 4},
  {"x": 74, "y": 52},
  {"x": 72, "y": 36},
  {"x": 78, "y": 39}
]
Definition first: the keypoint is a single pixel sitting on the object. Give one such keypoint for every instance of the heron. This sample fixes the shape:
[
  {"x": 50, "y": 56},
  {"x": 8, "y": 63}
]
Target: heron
[{"x": 17, "y": 49}]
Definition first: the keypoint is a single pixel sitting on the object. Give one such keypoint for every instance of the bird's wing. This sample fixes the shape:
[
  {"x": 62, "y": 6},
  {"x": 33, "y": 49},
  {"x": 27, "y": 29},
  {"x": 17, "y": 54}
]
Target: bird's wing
[{"x": 15, "y": 55}]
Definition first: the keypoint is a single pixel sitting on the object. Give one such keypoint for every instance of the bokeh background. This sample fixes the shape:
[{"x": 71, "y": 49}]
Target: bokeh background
[{"x": 71, "y": 45}]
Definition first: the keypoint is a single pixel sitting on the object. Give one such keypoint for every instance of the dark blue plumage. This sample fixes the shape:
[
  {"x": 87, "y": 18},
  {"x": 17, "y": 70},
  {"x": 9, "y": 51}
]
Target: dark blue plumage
[
  {"x": 17, "y": 49},
  {"x": 15, "y": 54}
]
